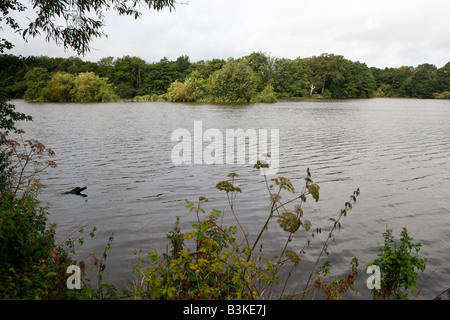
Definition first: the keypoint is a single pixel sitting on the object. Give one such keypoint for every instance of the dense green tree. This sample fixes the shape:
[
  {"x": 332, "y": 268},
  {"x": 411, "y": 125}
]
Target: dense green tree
[
  {"x": 207, "y": 68},
  {"x": 89, "y": 87},
  {"x": 422, "y": 83},
  {"x": 72, "y": 65},
  {"x": 235, "y": 82},
  {"x": 51, "y": 64},
  {"x": 326, "y": 69},
  {"x": 12, "y": 71},
  {"x": 267, "y": 95},
  {"x": 395, "y": 78},
  {"x": 177, "y": 92},
  {"x": 36, "y": 80},
  {"x": 443, "y": 78},
  {"x": 300, "y": 84},
  {"x": 158, "y": 77},
  {"x": 290, "y": 77},
  {"x": 359, "y": 82},
  {"x": 127, "y": 75},
  {"x": 196, "y": 89},
  {"x": 59, "y": 88},
  {"x": 263, "y": 67},
  {"x": 181, "y": 68},
  {"x": 280, "y": 73},
  {"x": 105, "y": 67}
]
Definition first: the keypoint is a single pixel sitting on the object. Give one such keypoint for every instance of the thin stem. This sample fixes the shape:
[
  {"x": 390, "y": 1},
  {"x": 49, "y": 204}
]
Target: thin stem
[
  {"x": 237, "y": 220},
  {"x": 293, "y": 266},
  {"x": 330, "y": 235}
]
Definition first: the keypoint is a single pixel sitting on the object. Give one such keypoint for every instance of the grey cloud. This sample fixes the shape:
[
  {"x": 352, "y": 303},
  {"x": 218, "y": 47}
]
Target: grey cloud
[{"x": 379, "y": 33}]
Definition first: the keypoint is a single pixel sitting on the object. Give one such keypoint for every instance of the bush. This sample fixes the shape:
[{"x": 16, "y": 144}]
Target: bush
[
  {"x": 397, "y": 266},
  {"x": 88, "y": 87},
  {"x": 199, "y": 264},
  {"x": 266, "y": 96},
  {"x": 442, "y": 95},
  {"x": 32, "y": 266},
  {"x": 142, "y": 98},
  {"x": 235, "y": 82},
  {"x": 110, "y": 97},
  {"x": 177, "y": 92}
]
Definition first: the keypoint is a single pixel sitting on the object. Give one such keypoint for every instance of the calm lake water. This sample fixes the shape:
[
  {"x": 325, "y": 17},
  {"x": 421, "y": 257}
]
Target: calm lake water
[{"x": 396, "y": 151}]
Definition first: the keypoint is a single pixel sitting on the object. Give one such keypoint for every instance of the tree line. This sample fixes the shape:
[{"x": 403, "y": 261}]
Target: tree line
[{"x": 257, "y": 77}]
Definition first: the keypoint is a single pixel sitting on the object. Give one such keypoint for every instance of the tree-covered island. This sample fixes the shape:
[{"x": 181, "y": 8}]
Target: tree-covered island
[{"x": 257, "y": 77}]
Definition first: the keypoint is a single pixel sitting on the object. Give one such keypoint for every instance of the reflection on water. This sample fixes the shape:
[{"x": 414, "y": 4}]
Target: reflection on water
[{"x": 396, "y": 151}]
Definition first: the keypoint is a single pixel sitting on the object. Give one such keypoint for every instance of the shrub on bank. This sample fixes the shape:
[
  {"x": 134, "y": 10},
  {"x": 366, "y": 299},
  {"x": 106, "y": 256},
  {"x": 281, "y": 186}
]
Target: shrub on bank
[{"x": 442, "y": 95}]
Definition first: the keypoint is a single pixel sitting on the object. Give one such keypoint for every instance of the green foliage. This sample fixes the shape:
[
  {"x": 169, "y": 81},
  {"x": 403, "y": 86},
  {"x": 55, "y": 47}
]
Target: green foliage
[
  {"x": 327, "y": 70},
  {"x": 127, "y": 76},
  {"x": 153, "y": 98},
  {"x": 265, "y": 96},
  {"x": 89, "y": 87},
  {"x": 398, "y": 266},
  {"x": 158, "y": 77},
  {"x": 324, "y": 76},
  {"x": 177, "y": 92},
  {"x": 35, "y": 80},
  {"x": 195, "y": 87},
  {"x": 262, "y": 66},
  {"x": 59, "y": 88},
  {"x": 336, "y": 287},
  {"x": 359, "y": 81},
  {"x": 422, "y": 83},
  {"x": 32, "y": 267},
  {"x": 443, "y": 78},
  {"x": 235, "y": 82},
  {"x": 66, "y": 87},
  {"x": 199, "y": 264},
  {"x": 443, "y": 95},
  {"x": 290, "y": 77}
]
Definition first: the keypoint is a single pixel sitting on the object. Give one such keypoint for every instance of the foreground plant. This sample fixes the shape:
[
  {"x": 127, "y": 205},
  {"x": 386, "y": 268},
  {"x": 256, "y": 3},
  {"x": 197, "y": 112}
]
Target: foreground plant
[
  {"x": 398, "y": 265},
  {"x": 209, "y": 263},
  {"x": 198, "y": 264}
]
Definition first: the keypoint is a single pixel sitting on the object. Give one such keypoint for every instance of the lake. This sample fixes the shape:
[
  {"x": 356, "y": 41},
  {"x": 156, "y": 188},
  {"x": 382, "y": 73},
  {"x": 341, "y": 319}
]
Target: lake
[{"x": 397, "y": 151}]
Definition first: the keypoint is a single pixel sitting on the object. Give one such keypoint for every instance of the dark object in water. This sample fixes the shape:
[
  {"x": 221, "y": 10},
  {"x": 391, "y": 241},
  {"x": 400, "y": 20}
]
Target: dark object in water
[{"x": 77, "y": 191}]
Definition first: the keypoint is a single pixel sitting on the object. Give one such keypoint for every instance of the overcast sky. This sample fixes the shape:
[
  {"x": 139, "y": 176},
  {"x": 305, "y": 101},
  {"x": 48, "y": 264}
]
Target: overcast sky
[{"x": 384, "y": 33}]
